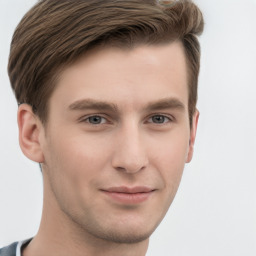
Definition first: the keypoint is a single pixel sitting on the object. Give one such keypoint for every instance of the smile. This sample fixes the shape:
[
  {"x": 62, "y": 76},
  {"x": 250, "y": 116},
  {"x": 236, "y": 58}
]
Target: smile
[{"x": 125, "y": 195}]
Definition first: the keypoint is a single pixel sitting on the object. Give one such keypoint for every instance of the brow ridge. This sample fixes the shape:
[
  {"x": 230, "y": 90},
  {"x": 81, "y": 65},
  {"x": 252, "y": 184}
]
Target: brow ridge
[
  {"x": 92, "y": 104},
  {"x": 166, "y": 103}
]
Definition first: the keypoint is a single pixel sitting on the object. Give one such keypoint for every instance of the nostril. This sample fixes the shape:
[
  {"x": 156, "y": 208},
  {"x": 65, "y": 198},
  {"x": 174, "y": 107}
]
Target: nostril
[
  {"x": 120, "y": 168},
  {"x": 131, "y": 168}
]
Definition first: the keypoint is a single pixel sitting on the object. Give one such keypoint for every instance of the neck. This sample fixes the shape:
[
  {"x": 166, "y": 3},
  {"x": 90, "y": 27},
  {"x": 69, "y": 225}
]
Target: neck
[{"x": 59, "y": 235}]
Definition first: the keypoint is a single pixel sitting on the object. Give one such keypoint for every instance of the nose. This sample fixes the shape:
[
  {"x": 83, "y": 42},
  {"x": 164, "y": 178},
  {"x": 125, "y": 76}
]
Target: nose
[{"x": 130, "y": 152}]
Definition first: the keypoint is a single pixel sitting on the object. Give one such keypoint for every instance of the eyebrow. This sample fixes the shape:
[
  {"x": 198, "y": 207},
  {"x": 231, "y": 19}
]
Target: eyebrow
[
  {"x": 85, "y": 104},
  {"x": 167, "y": 103}
]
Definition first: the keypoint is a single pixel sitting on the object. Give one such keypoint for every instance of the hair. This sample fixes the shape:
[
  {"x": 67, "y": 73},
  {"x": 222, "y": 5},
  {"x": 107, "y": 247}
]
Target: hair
[{"x": 56, "y": 33}]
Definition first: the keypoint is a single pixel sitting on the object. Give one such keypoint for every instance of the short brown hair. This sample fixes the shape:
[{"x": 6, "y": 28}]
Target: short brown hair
[{"x": 56, "y": 33}]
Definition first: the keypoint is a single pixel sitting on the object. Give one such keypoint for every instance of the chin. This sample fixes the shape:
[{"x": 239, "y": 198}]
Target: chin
[
  {"x": 120, "y": 232},
  {"x": 124, "y": 237}
]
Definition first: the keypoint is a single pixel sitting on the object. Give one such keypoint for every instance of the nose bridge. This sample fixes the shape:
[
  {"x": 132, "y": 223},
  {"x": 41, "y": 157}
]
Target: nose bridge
[{"x": 130, "y": 151}]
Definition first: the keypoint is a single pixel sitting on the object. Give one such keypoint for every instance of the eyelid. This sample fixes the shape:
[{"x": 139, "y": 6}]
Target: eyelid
[
  {"x": 168, "y": 116},
  {"x": 108, "y": 118},
  {"x": 86, "y": 117}
]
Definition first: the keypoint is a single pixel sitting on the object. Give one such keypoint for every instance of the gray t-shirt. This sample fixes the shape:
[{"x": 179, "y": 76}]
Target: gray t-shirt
[{"x": 13, "y": 249}]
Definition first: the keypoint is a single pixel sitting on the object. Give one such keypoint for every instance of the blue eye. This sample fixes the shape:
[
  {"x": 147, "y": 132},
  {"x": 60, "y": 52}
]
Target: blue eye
[
  {"x": 96, "y": 120},
  {"x": 159, "y": 119}
]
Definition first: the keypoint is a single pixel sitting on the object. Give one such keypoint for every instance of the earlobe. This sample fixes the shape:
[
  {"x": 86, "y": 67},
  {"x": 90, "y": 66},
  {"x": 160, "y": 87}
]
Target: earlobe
[
  {"x": 29, "y": 132},
  {"x": 193, "y": 130}
]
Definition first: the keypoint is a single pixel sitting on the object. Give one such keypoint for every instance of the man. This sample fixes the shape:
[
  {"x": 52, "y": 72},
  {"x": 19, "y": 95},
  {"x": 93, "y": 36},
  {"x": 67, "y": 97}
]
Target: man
[{"x": 107, "y": 96}]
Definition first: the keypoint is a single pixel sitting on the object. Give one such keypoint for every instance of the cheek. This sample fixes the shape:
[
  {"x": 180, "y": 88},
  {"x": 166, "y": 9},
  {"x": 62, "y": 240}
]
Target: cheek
[
  {"x": 72, "y": 166},
  {"x": 169, "y": 158},
  {"x": 77, "y": 158}
]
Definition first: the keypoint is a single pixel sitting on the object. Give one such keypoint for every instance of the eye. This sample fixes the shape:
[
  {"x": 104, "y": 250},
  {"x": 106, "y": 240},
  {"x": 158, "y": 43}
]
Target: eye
[
  {"x": 159, "y": 119},
  {"x": 96, "y": 120}
]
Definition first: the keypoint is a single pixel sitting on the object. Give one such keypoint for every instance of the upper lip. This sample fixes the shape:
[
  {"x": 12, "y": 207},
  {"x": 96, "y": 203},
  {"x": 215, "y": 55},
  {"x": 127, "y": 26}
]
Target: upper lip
[{"x": 129, "y": 190}]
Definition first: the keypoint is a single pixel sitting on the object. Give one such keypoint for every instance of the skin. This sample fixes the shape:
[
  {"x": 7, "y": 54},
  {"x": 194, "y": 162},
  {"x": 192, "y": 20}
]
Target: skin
[{"x": 116, "y": 118}]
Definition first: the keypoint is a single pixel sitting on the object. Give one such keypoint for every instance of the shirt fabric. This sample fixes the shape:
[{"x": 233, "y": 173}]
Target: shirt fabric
[{"x": 13, "y": 249}]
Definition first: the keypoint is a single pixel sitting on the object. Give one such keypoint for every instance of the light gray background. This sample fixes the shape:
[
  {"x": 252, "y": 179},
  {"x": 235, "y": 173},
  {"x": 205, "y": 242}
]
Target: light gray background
[{"x": 214, "y": 212}]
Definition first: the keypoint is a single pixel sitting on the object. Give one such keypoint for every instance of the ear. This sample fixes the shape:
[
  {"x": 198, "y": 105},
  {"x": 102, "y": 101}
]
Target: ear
[
  {"x": 29, "y": 132},
  {"x": 192, "y": 136}
]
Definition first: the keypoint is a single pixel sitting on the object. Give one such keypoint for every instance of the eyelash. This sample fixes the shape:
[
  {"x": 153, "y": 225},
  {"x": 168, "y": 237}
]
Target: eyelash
[
  {"x": 94, "y": 116},
  {"x": 167, "y": 119}
]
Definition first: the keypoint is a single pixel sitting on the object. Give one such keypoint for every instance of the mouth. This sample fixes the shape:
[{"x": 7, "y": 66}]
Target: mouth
[{"x": 129, "y": 195}]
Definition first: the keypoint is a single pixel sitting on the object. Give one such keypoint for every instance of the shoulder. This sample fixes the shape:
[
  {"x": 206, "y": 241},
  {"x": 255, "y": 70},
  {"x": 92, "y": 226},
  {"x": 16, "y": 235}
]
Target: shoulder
[{"x": 9, "y": 250}]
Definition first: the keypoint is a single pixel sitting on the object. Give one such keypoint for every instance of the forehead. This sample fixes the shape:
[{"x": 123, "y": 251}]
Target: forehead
[{"x": 130, "y": 77}]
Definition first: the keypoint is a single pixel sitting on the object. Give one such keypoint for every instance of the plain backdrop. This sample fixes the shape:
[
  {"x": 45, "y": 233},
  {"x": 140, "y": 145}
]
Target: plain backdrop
[{"x": 214, "y": 212}]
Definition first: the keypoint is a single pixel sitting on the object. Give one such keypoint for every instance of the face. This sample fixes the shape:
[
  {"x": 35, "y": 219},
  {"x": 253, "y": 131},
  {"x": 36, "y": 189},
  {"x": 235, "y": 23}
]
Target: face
[{"x": 117, "y": 139}]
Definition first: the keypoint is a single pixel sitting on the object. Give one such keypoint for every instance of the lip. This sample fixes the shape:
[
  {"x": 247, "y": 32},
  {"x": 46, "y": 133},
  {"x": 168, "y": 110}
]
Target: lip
[{"x": 129, "y": 195}]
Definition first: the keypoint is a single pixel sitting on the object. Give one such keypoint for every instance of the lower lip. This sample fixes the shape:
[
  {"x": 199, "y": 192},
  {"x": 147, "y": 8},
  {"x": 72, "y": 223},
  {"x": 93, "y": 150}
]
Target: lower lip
[{"x": 127, "y": 198}]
